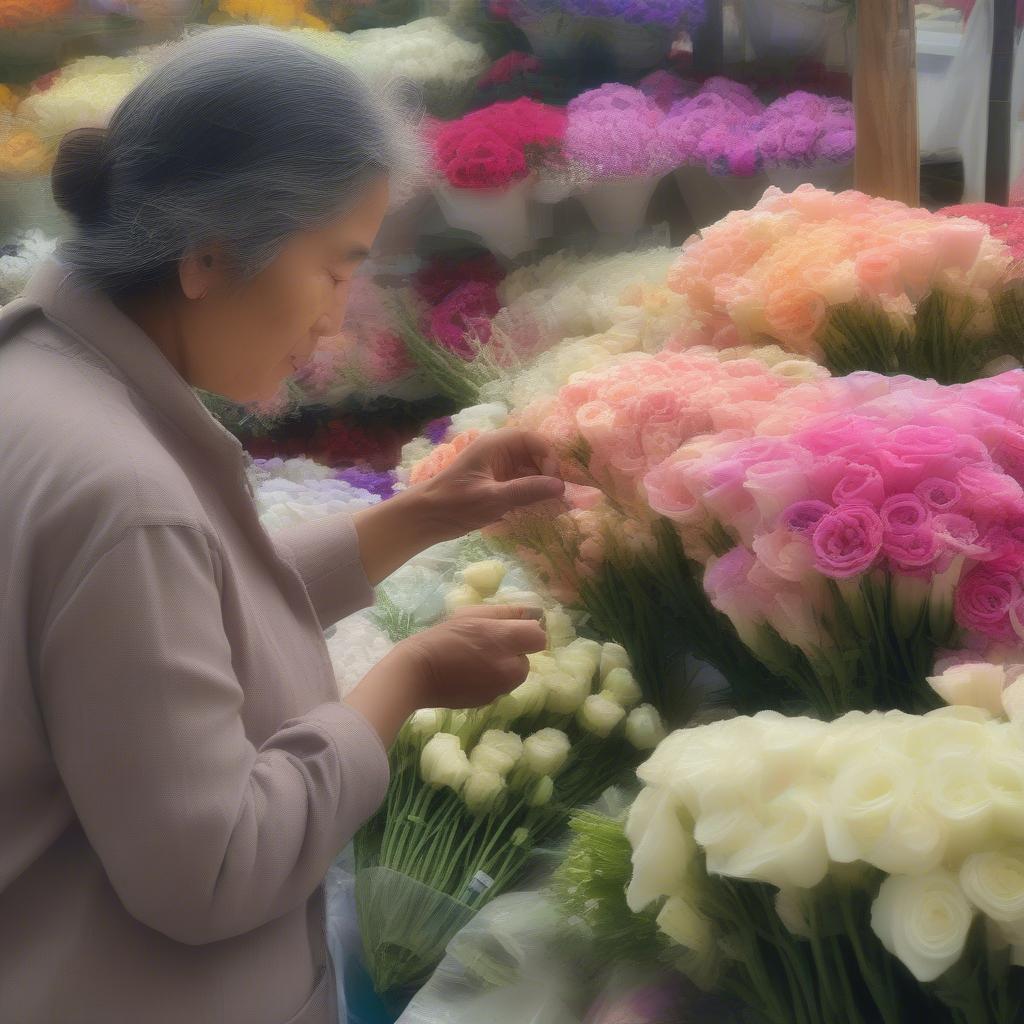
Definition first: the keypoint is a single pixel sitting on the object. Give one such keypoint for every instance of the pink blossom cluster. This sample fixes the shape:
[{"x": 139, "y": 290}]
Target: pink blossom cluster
[
  {"x": 776, "y": 271},
  {"x": 498, "y": 145},
  {"x": 614, "y": 132},
  {"x": 728, "y": 130},
  {"x": 900, "y": 476},
  {"x": 633, "y": 415},
  {"x": 1005, "y": 222}
]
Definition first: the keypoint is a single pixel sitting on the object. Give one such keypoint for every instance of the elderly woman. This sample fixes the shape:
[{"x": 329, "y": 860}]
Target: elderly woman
[{"x": 177, "y": 772}]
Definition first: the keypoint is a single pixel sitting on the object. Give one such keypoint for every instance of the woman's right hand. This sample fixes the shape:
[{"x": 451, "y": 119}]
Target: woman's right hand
[{"x": 471, "y": 659}]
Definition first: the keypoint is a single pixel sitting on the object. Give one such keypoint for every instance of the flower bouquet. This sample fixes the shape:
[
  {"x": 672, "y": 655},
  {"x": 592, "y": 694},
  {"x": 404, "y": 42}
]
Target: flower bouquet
[
  {"x": 866, "y": 539},
  {"x": 613, "y": 138},
  {"x": 855, "y": 282},
  {"x": 472, "y": 793},
  {"x": 19, "y": 257},
  {"x": 487, "y": 160},
  {"x": 861, "y": 870}
]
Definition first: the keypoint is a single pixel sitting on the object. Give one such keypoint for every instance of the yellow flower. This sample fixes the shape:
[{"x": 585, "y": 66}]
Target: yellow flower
[
  {"x": 281, "y": 13},
  {"x": 8, "y": 98},
  {"x": 24, "y": 154}
]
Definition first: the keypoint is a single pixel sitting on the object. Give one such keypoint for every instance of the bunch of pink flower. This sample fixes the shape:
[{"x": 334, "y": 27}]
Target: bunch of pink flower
[
  {"x": 498, "y": 145},
  {"x": 666, "y": 88},
  {"x": 461, "y": 296},
  {"x": 614, "y": 132},
  {"x": 777, "y": 271},
  {"x": 1005, "y": 222},
  {"x": 883, "y": 526},
  {"x": 620, "y": 422}
]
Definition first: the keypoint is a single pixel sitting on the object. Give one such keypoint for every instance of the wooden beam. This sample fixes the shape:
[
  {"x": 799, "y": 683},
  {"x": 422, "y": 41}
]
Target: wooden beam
[
  {"x": 1000, "y": 94},
  {"x": 888, "y": 161}
]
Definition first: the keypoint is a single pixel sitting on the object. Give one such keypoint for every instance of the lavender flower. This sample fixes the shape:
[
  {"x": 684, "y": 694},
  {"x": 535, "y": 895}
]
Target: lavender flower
[
  {"x": 381, "y": 484},
  {"x": 436, "y": 430}
]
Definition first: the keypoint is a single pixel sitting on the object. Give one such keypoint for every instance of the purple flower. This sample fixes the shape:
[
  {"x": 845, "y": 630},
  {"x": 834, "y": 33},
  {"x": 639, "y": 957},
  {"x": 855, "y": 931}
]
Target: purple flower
[
  {"x": 436, "y": 430},
  {"x": 837, "y": 144},
  {"x": 381, "y": 484},
  {"x": 847, "y": 541}
]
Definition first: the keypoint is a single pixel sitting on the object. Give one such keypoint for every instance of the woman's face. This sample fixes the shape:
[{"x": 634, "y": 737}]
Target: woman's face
[{"x": 243, "y": 340}]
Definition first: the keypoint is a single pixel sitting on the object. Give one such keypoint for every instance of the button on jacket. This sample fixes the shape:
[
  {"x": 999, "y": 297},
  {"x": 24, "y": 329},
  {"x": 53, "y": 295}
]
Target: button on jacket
[{"x": 176, "y": 771}]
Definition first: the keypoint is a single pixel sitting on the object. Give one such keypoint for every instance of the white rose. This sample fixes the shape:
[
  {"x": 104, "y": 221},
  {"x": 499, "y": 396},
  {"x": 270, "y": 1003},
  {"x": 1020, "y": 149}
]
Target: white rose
[
  {"x": 482, "y": 790},
  {"x": 662, "y": 855},
  {"x": 1012, "y": 700},
  {"x": 644, "y": 727},
  {"x": 1006, "y": 784},
  {"x": 613, "y": 656},
  {"x": 622, "y": 687},
  {"x": 979, "y": 685},
  {"x": 791, "y": 907},
  {"x": 789, "y": 849},
  {"x": 600, "y": 715},
  {"x": 498, "y": 751},
  {"x": 519, "y": 598},
  {"x": 586, "y": 646},
  {"x": 923, "y": 921},
  {"x": 545, "y": 752},
  {"x": 684, "y": 925},
  {"x": 541, "y": 793},
  {"x": 960, "y": 795},
  {"x": 485, "y": 577},
  {"x": 559, "y": 628},
  {"x": 565, "y": 692},
  {"x": 994, "y": 883},
  {"x": 723, "y": 833},
  {"x": 527, "y": 699},
  {"x": 443, "y": 762},
  {"x": 461, "y": 597},
  {"x": 577, "y": 663},
  {"x": 425, "y": 722},
  {"x": 489, "y": 416}
]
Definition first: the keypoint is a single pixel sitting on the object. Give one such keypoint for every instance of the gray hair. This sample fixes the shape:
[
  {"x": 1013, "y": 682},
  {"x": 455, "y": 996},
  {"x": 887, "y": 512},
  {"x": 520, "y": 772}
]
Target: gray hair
[{"x": 244, "y": 137}]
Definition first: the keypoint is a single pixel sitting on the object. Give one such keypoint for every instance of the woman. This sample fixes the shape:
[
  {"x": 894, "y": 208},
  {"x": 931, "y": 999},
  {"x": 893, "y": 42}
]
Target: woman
[{"x": 177, "y": 772}]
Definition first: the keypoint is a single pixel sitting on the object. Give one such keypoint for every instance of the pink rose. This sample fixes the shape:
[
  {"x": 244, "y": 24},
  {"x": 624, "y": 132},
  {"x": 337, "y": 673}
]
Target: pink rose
[
  {"x": 860, "y": 483},
  {"x": 912, "y": 550},
  {"x": 847, "y": 540},
  {"x": 983, "y": 601},
  {"x": 804, "y": 516},
  {"x": 788, "y": 555},
  {"x": 904, "y": 513},
  {"x": 667, "y": 491},
  {"x": 775, "y": 484},
  {"x": 938, "y": 494},
  {"x": 989, "y": 492},
  {"x": 959, "y": 533}
]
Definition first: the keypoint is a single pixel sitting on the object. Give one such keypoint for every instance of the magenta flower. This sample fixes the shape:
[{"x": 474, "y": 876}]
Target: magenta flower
[
  {"x": 912, "y": 550},
  {"x": 804, "y": 516},
  {"x": 904, "y": 513},
  {"x": 860, "y": 483},
  {"x": 847, "y": 540},
  {"x": 938, "y": 494},
  {"x": 983, "y": 601}
]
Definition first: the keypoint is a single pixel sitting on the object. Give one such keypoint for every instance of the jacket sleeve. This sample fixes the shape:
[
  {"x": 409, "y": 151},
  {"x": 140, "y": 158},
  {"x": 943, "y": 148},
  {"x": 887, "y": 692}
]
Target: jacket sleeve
[
  {"x": 326, "y": 554},
  {"x": 203, "y": 836}
]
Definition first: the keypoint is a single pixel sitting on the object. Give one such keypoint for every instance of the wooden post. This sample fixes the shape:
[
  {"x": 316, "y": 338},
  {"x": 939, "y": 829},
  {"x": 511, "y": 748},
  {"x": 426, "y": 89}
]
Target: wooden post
[
  {"x": 1001, "y": 119},
  {"x": 888, "y": 161}
]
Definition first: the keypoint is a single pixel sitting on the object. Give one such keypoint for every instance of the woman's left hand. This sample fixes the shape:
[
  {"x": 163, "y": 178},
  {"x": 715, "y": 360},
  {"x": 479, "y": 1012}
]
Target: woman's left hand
[{"x": 501, "y": 471}]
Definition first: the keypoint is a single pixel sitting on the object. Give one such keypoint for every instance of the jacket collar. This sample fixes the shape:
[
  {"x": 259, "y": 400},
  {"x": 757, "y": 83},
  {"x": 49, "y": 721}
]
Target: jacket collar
[{"x": 95, "y": 321}]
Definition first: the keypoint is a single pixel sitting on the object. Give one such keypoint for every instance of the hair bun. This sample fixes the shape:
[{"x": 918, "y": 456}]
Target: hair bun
[{"x": 81, "y": 172}]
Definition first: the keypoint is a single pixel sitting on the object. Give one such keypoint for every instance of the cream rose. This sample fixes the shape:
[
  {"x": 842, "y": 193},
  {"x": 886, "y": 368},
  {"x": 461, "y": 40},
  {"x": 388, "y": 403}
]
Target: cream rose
[
  {"x": 600, "y": 715},
  {"x": 977, "y": 685},
  {"x": 559, "y": 628},
  {"x": 527, "y": 699},
  {"x": 923, "y": 921},
  {"x": 684, "y": 925},
  {"x": 661, "y": 856},
  {"x": 497, "y": 751},
  {"x": 443, "y": 762},
  {"x": 426, "y": 722},
  {"x": 482, "y": 790},
  {"x": 485, "y": 577},
  {"x": 462, "y": 596},
  {"x": 612, "y": 656},
  {"x": 620, "y": 686},
  {"x": 545, "y": 752},
  {"x": 644, "y": 727},
  {"x": 994, "y": 883},
  {"x": 565, "y": 692}
]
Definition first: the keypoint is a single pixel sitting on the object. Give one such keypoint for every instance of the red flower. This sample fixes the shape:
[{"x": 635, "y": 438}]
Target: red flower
[
  {"x": 444, "y": 274},
  {"x": 513, "y": 65},
  {"x": 463, "y": 320}
]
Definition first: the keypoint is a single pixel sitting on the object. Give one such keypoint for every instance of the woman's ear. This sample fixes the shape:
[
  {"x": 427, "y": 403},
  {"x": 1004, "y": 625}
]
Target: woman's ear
[{"x": 200, "y": 271}]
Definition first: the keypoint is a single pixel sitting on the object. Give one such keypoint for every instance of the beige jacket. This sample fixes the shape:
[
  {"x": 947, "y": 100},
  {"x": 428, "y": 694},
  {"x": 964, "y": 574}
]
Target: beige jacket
[{"x": 176, "y": 773}]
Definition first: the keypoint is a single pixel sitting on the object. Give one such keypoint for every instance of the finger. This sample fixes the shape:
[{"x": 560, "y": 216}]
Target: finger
[
  {"x": 498, "y": 611},
  {"x": 529, "y": 490},
  {"x": 516, "y": 637},
  {"x": 540, "y": 451},
  {"x": 514, "y": 670}
]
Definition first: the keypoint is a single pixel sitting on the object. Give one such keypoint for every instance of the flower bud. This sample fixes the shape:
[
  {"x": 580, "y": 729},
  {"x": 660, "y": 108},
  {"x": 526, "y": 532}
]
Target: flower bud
[
  {"x": 520, "y": 836},
  {"x": 586, "y": 646},
  {"x": 485, "y": 577},
  {"x": 528, "y": 698},
  {"x": 644, "y": 728},
  {"x": 542, "y": 663},
  {"x": 518, "y": 598},
  {"x": 497, "y": 751},
  {"x": 482, "y": 790},
  {"x": 559, "y": 627},
  {"x": 600, "y": 715},
  {"x": 613, "y": 656},
  {"x": 545, "y": 752},
  {"x": 443, "y": 762},
  {"x": 461, "y": 597},
  {"x": 565, "y": 692},
  {"x": 621, "y": 687},
  {"x": 425, "y": 722},
  {"x": 577, "y": 663},
  {"x": 541, "y": 793}
]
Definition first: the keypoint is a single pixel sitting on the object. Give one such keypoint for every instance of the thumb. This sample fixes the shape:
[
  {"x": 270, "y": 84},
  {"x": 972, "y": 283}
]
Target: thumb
[{"x": 528, "y": 490}]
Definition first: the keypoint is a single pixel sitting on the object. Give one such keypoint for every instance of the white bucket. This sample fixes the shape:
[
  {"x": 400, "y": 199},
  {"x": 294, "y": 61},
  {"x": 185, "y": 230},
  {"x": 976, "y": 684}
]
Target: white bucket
[
  {"x": 500, "y": 217},
  {"x": 620, "y": 207},
  {"x": 836, "y": 177},
  {"x": 710, "y": 197},
  {"x": 789, "y": 28}
]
